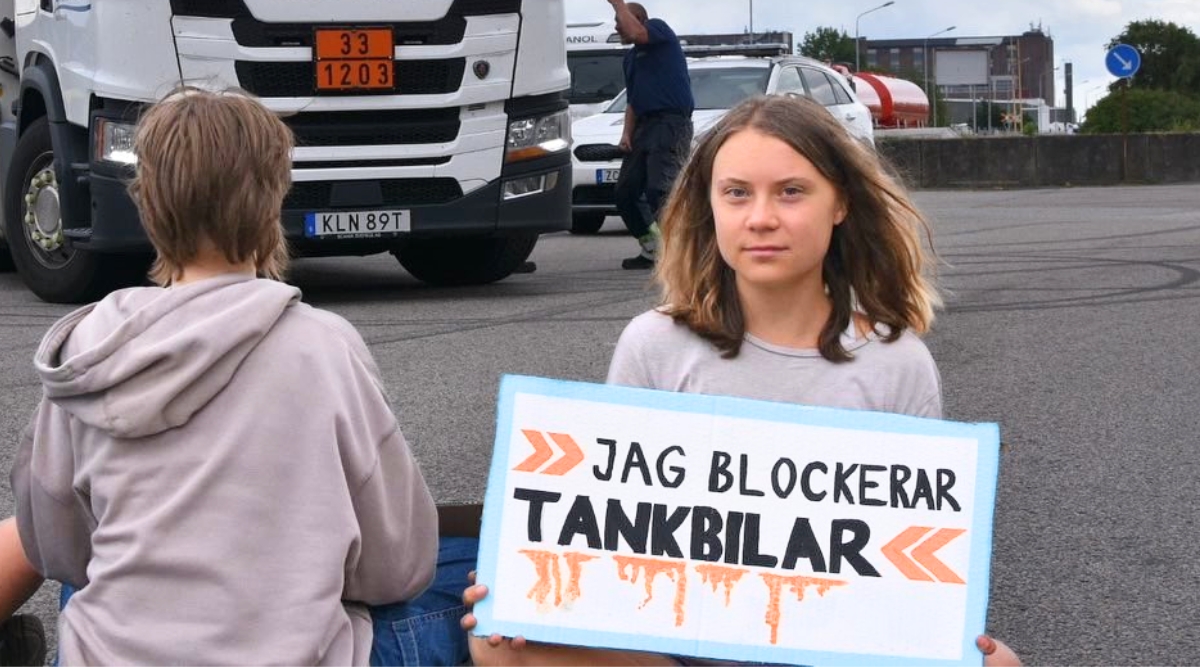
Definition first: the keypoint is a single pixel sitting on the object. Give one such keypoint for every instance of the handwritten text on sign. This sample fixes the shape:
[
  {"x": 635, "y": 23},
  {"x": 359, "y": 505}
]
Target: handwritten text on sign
[{"x": 735, "y": 529}]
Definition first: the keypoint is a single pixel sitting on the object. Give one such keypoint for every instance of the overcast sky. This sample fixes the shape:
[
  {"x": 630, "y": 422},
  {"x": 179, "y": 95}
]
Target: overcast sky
[{"x": 1080, "y": 28}]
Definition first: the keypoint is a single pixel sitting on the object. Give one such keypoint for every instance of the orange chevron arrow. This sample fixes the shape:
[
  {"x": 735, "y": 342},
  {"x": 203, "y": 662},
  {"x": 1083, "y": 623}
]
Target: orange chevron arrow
[
  {"x": 572, "y": 455},
  {"x": 542, "y": 452},
  {"x": 923, "y": 554},
  {"x": 894, "y": 551}
]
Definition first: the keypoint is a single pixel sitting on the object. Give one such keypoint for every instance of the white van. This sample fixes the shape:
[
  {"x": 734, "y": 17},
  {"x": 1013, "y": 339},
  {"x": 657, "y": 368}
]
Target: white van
[{"x": 596, "y": 58}]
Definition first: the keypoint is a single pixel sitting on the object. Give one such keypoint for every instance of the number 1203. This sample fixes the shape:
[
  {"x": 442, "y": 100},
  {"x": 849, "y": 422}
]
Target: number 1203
[{"x": 354, "y": 74}]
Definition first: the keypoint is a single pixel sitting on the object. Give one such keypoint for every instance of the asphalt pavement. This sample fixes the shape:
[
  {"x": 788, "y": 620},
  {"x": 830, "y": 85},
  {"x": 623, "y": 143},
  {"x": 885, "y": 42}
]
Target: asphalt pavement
[{"x": 1070, "y": 320}]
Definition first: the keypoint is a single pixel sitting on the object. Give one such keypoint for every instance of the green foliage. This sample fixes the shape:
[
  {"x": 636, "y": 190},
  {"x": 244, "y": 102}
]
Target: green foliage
[
  {"x": 829, "y": 44},
  {"x": 1029, "y": 125},
  {"x": 1170, "y": 55},
  {"x": 1147, "y": 111}
]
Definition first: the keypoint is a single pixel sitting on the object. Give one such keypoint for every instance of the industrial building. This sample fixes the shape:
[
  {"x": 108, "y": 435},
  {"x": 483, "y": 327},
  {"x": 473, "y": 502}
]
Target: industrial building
[{"x": 1017, "y": 69}]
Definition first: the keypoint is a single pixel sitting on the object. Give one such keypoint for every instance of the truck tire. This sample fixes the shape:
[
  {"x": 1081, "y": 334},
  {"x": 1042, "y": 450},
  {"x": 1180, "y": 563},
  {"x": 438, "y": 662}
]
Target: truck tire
[
  {"x": 586, "y": 223},
  {"x": 465, "y": 261},
  {"x": 6, "y": 263},
  {"x": 51, "y": 268}
]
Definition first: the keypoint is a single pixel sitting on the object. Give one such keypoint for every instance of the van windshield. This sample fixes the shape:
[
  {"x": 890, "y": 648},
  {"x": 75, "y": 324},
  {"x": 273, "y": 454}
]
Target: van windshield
[{"x": 595, "y": 77}]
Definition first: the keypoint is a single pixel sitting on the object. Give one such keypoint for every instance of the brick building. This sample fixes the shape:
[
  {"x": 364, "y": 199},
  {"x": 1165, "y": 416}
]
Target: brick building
[{"x": 999, "y": 68}]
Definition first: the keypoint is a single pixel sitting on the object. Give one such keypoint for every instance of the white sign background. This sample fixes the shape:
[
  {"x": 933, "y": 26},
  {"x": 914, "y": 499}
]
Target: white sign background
[{"x": 889, "y": 615}]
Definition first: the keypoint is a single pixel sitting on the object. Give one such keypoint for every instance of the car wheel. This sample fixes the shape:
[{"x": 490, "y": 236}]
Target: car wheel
[{"x": 586, "y": 223}]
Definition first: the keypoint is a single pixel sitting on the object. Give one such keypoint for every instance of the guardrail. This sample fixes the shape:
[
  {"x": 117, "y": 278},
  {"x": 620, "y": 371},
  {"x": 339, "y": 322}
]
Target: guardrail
[{"x": 1044, "y": 161}]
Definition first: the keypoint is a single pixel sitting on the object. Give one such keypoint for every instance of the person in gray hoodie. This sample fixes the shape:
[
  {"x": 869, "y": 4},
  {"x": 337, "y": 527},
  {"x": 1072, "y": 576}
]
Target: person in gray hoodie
[{"x": 214, "y": 464}]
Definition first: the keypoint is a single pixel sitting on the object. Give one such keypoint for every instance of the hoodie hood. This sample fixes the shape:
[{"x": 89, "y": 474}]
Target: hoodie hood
[{"x": 146, "y": 359}]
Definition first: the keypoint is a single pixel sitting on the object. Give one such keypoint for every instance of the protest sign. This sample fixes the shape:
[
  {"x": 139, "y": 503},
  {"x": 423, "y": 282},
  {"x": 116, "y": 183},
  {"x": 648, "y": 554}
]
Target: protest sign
[{"x": 735, "y": 529}]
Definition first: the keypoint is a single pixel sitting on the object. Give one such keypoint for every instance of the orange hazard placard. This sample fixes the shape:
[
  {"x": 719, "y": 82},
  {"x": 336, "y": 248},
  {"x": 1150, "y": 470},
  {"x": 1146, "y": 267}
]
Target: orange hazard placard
[{"x": 354, "y": 59}]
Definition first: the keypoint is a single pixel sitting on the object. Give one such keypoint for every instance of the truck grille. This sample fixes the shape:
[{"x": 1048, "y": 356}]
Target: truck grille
[
  {"x": 249, "y": 31},
  {"x": 598, "y": 153},
  {"x": 375, "y": 128},
  {"x": 298, "y": 79},
  {"x": 318, "y": 195}
]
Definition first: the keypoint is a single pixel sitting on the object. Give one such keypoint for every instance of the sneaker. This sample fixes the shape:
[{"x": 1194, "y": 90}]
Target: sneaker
[
  {"x": 639, "y": 262},
  {"x": 22, "y": 641}
]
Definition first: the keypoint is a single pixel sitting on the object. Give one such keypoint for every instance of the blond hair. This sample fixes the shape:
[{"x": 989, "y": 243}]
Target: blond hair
[
  {"x": 876, "y": 262},
  {"x": 213, "y": 169}
]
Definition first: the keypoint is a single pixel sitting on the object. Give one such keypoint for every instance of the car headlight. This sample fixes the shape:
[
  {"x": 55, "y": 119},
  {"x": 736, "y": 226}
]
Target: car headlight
[
  {"x": 536, "y": 137},
  {"x": 114, "y": 142}
]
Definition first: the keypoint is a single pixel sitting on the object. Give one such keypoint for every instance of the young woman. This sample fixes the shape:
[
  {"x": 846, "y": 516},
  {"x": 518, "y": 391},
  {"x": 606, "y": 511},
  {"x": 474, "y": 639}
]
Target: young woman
[{"x": 793, "y": 269}]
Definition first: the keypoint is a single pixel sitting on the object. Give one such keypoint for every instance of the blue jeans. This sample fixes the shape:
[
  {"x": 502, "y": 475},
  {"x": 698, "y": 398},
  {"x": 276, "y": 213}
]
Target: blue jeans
[{"x": 425, "y": 630}]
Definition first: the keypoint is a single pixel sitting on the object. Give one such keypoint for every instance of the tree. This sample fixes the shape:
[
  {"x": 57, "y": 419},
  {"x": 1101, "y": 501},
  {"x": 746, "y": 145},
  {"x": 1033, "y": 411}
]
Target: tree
[
  {"x": 1146, "y": 111},
  {"x": 1170, "y": 56},
  {"x": 828, "y": 44}
]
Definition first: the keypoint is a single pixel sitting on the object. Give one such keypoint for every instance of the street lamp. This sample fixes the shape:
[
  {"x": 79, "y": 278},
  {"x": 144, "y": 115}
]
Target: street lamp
[
  {"x": 856, "y": 42},
  {"x": 925, "y": 58}
]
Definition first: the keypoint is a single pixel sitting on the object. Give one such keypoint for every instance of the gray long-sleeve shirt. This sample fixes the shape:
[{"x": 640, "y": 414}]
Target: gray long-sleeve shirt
[
  {"x": 218, "y": 466},
  {"x": 657, "y": 353}
]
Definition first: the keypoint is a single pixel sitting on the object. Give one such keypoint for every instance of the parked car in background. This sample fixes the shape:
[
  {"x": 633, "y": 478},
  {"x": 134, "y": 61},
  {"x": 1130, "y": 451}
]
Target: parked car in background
[{"x": 721, "y": 78}]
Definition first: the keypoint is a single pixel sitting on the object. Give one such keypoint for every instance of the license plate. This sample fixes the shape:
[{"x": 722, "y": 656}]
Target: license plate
[
  {"x": 357, "y": 224},
  {"x": 607, "y": 175},
  {"x": 354, "y": 59}
]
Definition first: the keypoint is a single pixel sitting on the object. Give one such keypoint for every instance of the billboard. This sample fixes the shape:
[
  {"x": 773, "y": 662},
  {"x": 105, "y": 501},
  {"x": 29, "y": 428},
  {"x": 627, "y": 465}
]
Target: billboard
[{"x": 961, "y": 68}]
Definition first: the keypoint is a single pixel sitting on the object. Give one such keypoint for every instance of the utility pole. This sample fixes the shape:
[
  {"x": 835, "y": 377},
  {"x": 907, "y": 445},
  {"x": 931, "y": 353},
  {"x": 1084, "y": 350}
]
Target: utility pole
[{"x": 752, "y": 40}]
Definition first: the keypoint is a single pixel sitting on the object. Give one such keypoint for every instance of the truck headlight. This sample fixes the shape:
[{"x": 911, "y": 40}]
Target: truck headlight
[
  {"x": 530, "y": 138},
  {"x": 114, "y": 142}
]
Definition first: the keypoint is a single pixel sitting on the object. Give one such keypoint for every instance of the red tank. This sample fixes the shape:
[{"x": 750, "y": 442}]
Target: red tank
[{"x": 893, "y": 102}]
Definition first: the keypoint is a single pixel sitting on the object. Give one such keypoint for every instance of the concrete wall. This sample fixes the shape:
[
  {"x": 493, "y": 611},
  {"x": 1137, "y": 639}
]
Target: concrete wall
[{"x": 1044, "y": 161}]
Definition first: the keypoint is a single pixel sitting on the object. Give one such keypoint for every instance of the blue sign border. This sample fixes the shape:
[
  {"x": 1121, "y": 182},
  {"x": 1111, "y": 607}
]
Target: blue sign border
[{"x": 986, "y": 434}]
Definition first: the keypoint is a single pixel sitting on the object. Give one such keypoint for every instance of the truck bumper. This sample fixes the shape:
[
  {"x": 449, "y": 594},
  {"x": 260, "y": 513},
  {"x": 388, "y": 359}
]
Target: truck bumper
[{"x": 117, "y": 228}]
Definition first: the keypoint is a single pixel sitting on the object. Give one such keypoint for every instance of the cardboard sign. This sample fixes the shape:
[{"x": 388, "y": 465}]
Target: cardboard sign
[{"x": 735, "y": 529}]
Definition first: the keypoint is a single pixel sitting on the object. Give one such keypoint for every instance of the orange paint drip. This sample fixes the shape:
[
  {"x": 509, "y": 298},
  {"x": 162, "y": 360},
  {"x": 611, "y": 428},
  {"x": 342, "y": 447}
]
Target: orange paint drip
[
  {"x": 798, "y": 585},
  {"x": 575, "y": 561},
  {"x": 650, "y": 569},
  {"x": 548, "y": 574},
  {"x": 716, "y": 575}
]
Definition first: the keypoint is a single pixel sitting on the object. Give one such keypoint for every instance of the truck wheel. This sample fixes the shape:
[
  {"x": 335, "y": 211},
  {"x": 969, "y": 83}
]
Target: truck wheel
[
  {"x": 48, "y": 264},
  {"x": 465, "y": 261},
  {"x": 586, "y": 223}
]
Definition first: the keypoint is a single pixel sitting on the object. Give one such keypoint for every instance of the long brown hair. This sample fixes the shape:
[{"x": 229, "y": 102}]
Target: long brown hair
[
  {"x": 877, "y": 262},
  {"x": 213, "y": 168}
]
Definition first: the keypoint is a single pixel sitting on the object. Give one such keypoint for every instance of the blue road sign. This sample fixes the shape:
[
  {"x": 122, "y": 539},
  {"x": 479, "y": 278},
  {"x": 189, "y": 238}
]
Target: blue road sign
[{"x": 1123, "y": 60}]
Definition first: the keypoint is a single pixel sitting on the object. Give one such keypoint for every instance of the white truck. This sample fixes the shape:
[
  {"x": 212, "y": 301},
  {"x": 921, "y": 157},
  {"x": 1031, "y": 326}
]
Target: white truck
[
  {"x": 435, "y": 130},
  {"x": 596, "y": 58}
]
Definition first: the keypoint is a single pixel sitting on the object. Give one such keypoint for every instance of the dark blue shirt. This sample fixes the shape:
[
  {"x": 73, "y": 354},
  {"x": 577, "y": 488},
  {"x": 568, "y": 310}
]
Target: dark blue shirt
[{"x": 656, "y": 75}]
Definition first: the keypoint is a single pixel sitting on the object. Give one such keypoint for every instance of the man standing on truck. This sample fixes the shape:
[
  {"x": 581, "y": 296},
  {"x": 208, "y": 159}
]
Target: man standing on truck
[{"x": 658, "y": 123}]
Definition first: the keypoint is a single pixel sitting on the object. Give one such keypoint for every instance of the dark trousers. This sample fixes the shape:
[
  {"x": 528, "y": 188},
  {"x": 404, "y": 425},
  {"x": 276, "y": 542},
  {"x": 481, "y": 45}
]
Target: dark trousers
[{"x": 660, "y": 145}]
